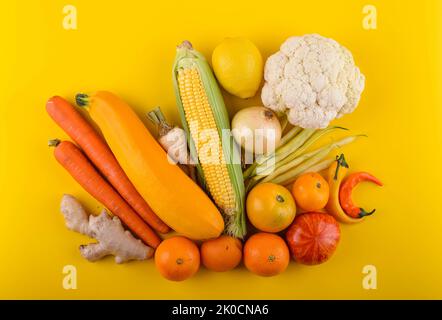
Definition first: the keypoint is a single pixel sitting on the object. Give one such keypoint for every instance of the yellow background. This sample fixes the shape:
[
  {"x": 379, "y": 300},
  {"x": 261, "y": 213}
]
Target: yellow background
[{"x": 129, "y": 48}]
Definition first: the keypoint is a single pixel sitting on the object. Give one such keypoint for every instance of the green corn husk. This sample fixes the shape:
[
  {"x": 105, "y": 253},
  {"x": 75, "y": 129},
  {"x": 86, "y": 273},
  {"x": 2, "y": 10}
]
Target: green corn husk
[{"x": 187, "y": 57}]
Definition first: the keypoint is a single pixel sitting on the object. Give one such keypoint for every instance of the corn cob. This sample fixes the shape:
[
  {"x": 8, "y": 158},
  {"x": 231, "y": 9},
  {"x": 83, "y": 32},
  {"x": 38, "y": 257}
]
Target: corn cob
[{"x": 205, "y": 120}]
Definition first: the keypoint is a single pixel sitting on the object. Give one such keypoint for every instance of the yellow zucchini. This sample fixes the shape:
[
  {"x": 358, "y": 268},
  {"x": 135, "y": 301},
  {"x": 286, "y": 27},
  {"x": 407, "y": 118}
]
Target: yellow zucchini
[{"x": 173, "y": 196}]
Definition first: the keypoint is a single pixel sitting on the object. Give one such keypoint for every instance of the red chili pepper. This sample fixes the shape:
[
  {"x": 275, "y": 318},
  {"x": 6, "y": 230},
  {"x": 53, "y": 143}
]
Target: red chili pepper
[{"x": 345, "y": 193}]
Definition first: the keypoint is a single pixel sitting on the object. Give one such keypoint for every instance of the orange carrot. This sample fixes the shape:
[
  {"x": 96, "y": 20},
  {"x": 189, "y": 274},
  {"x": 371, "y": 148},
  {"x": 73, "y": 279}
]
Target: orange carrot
[
  {"x": 96, "y": 149},
  {"x": 82, "y": 170}
]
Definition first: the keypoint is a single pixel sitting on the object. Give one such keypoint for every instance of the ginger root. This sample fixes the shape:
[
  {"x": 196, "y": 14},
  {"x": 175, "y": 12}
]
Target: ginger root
[{"x": 109, "y": 232}]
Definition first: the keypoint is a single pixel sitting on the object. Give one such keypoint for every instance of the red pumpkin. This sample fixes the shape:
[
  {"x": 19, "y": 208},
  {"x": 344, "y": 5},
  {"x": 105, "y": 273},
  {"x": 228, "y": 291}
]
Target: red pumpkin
[{"x": 313, "y": 238}]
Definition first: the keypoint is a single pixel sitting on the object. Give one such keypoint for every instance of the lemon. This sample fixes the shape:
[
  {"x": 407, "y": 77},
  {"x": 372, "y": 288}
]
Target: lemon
[{"x": 238, "y": 66}]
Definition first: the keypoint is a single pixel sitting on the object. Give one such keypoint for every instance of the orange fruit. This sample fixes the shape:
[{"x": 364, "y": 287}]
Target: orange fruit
[
  {"x": 311, "y": 191},
  {"x": 221, "y": 254},
  {"x": 270, "y": 207},
  {"x": 177, "y": 258},
  {"x": 266, "y": 254}
]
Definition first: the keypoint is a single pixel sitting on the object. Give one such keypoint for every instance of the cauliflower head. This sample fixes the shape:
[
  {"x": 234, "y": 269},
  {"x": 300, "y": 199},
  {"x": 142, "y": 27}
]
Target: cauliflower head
[{"x": 313, "y": 79}]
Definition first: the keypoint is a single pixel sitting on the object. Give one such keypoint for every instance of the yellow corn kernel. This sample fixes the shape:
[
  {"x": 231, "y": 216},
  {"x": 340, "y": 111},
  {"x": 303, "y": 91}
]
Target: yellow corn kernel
[{"x": 199, "y": 116}]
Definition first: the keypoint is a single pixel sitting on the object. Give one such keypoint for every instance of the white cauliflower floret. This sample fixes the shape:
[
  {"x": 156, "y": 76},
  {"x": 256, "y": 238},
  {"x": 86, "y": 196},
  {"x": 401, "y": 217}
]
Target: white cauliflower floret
[{"x": 313, "y": 79}]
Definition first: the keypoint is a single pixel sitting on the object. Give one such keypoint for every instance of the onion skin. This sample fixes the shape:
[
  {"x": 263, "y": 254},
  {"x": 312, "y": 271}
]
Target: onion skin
[
  {"x": 313, "y": 238},
  {"x": 251, "y": 121}
]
